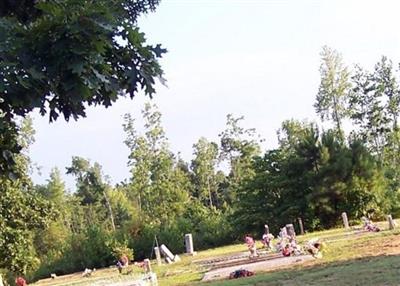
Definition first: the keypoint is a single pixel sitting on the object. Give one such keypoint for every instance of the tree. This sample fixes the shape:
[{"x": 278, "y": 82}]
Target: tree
[
  {"x": 22, "y": 211},
  {"x": 333, "y": 90},
  {"x": 49, "y": 243},
  {"x": 65, "y": 54},
  {"x": 204, "y": 167},
  {"x": 259, "y": 197},
  {"x": 386, "y": 84},
  {"x": 123, "y": 209},
  {"x": 375, "y": 105},
  {"x": 55, "y": 189},
  {"x": 61, "y": 56},
  {"x": 158, "y": 183},
  {"x": 238, "y": 147},
  {"x": 313, "y": 175},
  {"x": 367, "y": 105},
  {"x": 91, "y": 189}
]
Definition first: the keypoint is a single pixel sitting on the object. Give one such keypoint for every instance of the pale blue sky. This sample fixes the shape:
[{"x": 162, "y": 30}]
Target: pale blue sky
[{"x": 257, "y": 58}]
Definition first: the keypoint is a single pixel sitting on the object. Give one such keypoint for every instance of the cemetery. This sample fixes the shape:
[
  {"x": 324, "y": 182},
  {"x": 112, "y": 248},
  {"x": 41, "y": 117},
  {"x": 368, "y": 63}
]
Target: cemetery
[
  {"x": 199, "y": 142},
  {"x": 228, "y": 263}
]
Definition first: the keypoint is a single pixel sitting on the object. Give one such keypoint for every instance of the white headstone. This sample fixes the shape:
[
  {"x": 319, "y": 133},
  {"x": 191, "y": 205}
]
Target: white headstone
[
  {"x": 391, "y": 222},
  {"x": 266, "y": 229},
  {"x": 189, "y": 243},
  {"x": 301, "y": 225},
  {"x": 158, "y": 255},
  {"x": 169, "y": 260},
  {"x": 290, "y": 230},
  {"x": 166, "y": 252},
  {"x": 345, "y": 220},
  {"x": 147, "y": 265}
]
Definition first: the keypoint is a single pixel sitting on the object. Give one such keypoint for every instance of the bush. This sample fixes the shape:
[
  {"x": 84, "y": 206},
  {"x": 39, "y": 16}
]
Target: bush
[
  {"x": 209, "y": 229},
  {"x": 119, "y": 249},
  {"x": 95, "y": 248}
]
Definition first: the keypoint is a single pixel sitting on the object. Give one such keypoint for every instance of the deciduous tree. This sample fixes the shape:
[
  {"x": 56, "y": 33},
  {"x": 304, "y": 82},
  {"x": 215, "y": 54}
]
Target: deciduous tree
[
  {"x": 61, "y": 56},
  {"x": 331, "y": 100}
]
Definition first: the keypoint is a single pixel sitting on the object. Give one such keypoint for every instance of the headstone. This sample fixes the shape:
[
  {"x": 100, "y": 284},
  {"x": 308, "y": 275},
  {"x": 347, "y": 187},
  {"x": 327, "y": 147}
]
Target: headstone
[
  {"x": 345, "y": 221},
  {"x": 158, "y": 255},
  {"x": 391, "y": 222},
  {"x": 266, "y": 229},
  {"x": 189, "y": 243},
  {"x": 168, "y": 260},
  {"x": 177, "y": 258},
  {"x": 147, "y": 265},
  {"x": 167, "y": 253},
  {"x": 290, "y": 230},
  {"x": 301, "y": 226}
]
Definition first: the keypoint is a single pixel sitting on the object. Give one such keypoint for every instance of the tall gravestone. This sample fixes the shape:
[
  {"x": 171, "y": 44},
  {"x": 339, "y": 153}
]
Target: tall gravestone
[
  {"x": 189, "y": 243},
  {"x": 391, "y": 222},
  {"x": 147, "y": 265},
  {"x": 158, "y": 255},
  {"x": 266, "y": 228},
  {"x": 301, "y": 226},
  {"x": 290, "y": 230},
  {"x": 345, "y": 221}
]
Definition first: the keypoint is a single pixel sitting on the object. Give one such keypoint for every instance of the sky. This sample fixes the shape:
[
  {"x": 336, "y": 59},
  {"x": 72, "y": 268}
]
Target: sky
[{"x": 254, "y": 58}]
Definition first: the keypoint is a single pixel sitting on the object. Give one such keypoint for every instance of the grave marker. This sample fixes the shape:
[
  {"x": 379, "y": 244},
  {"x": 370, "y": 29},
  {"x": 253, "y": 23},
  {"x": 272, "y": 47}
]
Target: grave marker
[
  {"x": 158, "y": 255},
  {"x": 391, "y": 222},
  {"x": 147, "y": 265},
  {"x": 345, "y": 221},
  {"x": 301, "y": 225},
  {"x": 266, "y": 227},
  {"x": 290, "y": 230},
  {"x": 189, "y": 243},
  {"x": 168, "y": 254}
]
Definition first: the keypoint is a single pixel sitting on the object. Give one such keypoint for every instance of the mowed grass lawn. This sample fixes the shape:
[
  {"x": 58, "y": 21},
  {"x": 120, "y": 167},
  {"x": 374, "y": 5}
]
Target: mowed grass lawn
[
  {"x": 358, "y": 259},
  {"x": 370, "y": 259}
]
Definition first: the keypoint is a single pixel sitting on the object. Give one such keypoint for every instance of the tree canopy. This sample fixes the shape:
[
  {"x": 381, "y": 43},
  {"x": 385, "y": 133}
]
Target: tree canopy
[{"x": 61, "y": 56}]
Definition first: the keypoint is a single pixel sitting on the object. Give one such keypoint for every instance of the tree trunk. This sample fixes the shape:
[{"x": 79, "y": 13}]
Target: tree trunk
[
  {"x": 109, "y": 210},
  {"x": 209, "y": 192}
]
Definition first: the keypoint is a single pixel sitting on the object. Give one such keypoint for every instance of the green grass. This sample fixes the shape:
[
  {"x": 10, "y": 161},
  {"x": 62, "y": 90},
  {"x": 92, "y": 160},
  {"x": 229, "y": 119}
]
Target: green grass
[
  {"x": 363, "y": 259},
  {"x": 366, "y": 271},
  {"x": 346, "y": 262},
  {"x": 342, "y": 254}
]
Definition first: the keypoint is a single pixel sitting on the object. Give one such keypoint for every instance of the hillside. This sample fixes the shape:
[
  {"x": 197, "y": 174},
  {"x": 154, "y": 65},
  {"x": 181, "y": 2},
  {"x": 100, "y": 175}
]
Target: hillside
[{"x": 353, "y": 257}]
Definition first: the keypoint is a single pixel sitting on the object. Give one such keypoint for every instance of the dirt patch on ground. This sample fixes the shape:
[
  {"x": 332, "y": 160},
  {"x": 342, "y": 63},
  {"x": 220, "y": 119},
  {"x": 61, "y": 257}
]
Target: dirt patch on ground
[
  {"x": 266, "y": 265},
  {"x": 382, "y": 246}
]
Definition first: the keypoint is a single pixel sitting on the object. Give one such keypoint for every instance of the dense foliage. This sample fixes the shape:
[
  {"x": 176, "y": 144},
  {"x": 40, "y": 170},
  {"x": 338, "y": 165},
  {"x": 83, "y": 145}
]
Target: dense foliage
[
  {"x": 313, "y": 174},
  {"x": 229, "y": 188},
  {"x": 61, "y": 56}
]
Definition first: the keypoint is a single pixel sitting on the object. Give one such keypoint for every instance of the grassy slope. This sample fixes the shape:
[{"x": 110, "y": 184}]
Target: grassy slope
[
  {"x": 373, "y": 259},
  {"x": 368, "y": 259},
  {"x": 367, "y": 271}
]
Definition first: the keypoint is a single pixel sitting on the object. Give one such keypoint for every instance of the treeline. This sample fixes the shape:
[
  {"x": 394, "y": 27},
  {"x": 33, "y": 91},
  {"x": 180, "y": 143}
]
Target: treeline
[{"x": 229, "y": 188}]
